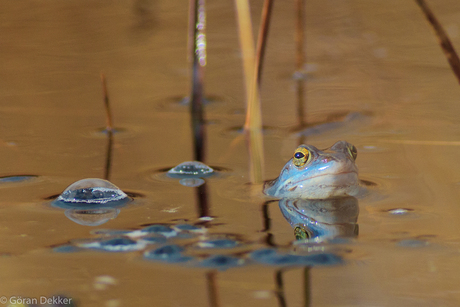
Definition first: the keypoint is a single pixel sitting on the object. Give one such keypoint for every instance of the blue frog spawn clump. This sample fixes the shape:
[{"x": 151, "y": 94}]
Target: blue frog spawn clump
[{"x": 91, "y": 191}]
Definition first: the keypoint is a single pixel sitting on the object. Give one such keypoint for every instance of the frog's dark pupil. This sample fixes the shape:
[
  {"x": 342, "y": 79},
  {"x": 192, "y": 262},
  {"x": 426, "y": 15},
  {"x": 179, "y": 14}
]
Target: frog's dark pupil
[{"x": 299, "y": 155}]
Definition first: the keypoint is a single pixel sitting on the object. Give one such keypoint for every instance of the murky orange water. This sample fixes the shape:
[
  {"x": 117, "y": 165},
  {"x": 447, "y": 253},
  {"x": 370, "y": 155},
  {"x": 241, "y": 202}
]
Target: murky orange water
[{"x": 376, "y": 58}]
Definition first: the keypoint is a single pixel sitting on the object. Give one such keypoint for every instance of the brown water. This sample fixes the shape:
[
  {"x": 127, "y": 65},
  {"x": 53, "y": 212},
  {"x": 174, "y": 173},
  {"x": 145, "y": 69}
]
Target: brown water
[{"x": 372, "y": 57}]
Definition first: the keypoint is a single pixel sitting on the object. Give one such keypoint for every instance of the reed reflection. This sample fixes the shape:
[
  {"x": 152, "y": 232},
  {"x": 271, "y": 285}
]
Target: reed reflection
[{"x": 322, "y": 219}]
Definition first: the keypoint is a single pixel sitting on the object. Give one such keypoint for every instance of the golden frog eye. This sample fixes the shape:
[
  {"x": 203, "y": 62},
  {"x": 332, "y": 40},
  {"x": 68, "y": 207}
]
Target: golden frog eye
[
  {"x": 301, "y": 233},
  {"x": 352, "y": 151},
  {"x": 301, "y": 156}
]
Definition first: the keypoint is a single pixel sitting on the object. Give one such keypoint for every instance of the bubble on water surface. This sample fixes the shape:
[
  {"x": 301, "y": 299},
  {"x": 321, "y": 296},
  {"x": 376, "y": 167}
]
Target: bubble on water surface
[
  {"x": 92, "y": 191},
  {"x": 168, "y": 253},
  {"x": 190, "y": 169},
  {"x": 221, "y": 262},
  {"x": 92, "y": 217}
]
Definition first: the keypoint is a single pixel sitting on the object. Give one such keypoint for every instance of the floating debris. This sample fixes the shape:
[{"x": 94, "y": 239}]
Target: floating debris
[
  {"x": 190, "y": 169},
  {"x": 168, "y": 253},
  {"x": 189, "y": 228},
  {"x": 154, "y": 229},
  {"x": 218, "y": 243},
  {"x": 153, "y": 240},
  {"x": 221, "y": 262},
  {"x": 274, "y": 257},
  {"x": 399, "y": 211},
  {"x": 413, "y": 243},
  {"x": 66, "y": 249},
  {"x": 120, "y": 244},
  {"x": 92, "y": 191},
  {"x": 16, "y": 179},
  {"x": 110, "y": 232}
]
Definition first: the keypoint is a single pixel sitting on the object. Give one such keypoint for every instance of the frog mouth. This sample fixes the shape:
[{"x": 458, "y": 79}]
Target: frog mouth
[{"x": 330, "y": 180}]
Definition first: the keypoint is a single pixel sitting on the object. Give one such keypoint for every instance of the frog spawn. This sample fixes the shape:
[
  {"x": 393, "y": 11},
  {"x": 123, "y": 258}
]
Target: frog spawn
[{"x": 192, "y": 245}]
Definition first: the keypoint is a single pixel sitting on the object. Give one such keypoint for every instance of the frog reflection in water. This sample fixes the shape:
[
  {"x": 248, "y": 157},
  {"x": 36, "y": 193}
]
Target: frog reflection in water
[{"x": 317, "y": 174}]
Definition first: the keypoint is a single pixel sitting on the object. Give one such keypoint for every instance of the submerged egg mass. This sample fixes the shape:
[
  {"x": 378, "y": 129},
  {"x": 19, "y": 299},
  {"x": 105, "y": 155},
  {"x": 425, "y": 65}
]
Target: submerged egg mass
[{"x": 92, "y": 191}]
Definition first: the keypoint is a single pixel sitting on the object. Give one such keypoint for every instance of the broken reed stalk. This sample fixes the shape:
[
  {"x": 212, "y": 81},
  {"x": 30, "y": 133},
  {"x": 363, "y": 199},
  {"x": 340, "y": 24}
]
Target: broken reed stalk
[
  {"x": 253, "y": 122},
  {"x": 444, "y": 41},
  {"x": 197, "y": 46},
  {"x": 108, "y": 128}
]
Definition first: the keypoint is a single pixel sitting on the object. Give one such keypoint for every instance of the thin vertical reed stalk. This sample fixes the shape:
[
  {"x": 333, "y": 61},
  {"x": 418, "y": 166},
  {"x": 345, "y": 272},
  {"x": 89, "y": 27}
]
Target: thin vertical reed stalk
[
  {"x": 262, "y": 39},
  {"x": 197, "y": 55},
  {"x": 253, "y": 122},
  {"x": 213, "y": 294},
  {"x": 197, "y": 46},
  {"x": 299, "y": 34},
  {"x": 109, "y": 129},
  {"x": 300, "y": 62},
  {"x": 108, "y": 157},
  {"x": 108, "y": 113},
  {"x": 307, "y": 287},
  {"x": 280, "y": 288},
  {"x": 444, "y": 41}
]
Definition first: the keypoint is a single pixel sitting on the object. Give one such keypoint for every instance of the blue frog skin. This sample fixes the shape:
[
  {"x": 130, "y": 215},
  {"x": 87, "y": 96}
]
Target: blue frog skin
[
  {"x": 317, "y": 174},
  {"x": 321, "y": 218}
]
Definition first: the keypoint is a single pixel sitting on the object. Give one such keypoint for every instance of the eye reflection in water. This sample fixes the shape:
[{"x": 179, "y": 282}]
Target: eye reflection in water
[{"x": 322, "y": 219}]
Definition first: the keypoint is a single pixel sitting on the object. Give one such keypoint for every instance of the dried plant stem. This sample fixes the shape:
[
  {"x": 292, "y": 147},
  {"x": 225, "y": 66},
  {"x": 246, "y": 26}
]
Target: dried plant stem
[
  {"x": 300, "y": 62},
  {"x": 262, "y": 38},
  {"x": 444, "y": 41},
  {"x": 307, "y": 286},
  {"x": 109, "y": 129},
  {"x": 253, "y": 122},
  {"x": 108, "y": 157},
  {"x": 213, "y": 293},
  {"x": 280, "y": 288},
  {"x": 299, "y": 34},
  {"x": 108, "y": 113},
  {"x": 197, "y": 46}
]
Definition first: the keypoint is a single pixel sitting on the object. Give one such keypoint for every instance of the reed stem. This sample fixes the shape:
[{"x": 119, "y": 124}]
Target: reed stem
[
  {"x": 108, "y": 113},
  {"x": 197, "y": 46},
  {"x": 253, "y": 122}
]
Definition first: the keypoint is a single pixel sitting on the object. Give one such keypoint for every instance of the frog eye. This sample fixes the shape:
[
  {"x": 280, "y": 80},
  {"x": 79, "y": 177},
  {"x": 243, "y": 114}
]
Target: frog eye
[
  {"x": 301, "y": 156},
  {"x": 302, "y": 233},
  {"x": 352, "y": 151}
]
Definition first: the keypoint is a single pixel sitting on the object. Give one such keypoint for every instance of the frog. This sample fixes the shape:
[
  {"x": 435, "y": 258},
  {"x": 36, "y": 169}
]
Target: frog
[
  {"x": 322, "y": 218},
  {"x": 317, "y": 174}
]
